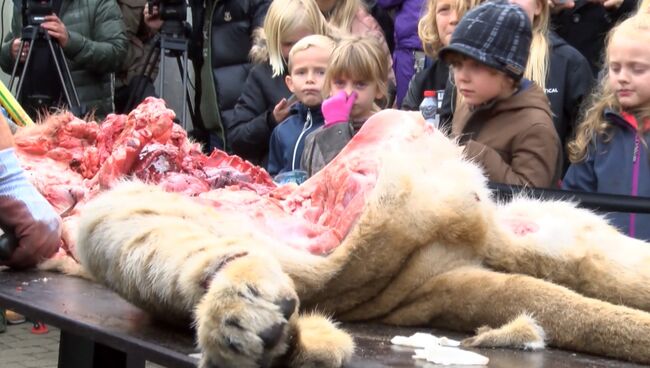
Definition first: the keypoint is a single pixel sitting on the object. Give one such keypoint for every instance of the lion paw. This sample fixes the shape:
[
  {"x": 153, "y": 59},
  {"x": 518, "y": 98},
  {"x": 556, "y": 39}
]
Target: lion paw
[
  {"x": 248, "y": 315},
  {"x": 319, "y": 343},
  {"x": 522, "y": 332}
]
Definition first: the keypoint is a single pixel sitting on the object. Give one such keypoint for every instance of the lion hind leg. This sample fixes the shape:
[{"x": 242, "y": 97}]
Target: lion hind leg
[
  {"x": 468, "y": 297},
  {"x": 523, "y": 332}
]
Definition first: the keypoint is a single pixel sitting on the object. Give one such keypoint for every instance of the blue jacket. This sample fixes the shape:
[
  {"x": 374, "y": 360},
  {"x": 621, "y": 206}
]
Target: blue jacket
[
  {"x": 619, "y": 166},
  {"x": 288, "y": 138}
]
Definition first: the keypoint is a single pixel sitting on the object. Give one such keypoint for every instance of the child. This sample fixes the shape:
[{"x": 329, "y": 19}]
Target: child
[
  {"x": 435, "y": 29},
  {"x": 262, "y": 104},
  {"x": 357, "y": 76},
  {"x": 558, "y": 68},
  {"x": 503, "y": 121},
  {"x": 308, "y": 60},
  {"x": 610, "y": 151},
  {"x": 352, "y": 17}
]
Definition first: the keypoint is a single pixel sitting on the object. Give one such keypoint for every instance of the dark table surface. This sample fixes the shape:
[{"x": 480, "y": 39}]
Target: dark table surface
[{"x": 90, "y": 310}]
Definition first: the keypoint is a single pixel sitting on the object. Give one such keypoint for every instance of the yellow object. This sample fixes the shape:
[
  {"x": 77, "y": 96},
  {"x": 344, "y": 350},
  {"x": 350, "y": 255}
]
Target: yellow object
[{"x": 15, "y": 111}]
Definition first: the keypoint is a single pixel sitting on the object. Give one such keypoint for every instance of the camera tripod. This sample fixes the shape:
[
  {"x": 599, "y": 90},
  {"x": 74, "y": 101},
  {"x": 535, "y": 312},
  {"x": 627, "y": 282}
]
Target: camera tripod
[
  {"x": 171, "y": 41},
  {"x": 32, "y": 33}
]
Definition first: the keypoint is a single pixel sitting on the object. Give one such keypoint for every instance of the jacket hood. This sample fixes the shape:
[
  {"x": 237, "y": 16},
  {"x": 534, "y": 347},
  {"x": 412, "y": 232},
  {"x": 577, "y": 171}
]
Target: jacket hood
[
  {"x": 259, "y": 53},
  {"x": 530, "y": 95}
]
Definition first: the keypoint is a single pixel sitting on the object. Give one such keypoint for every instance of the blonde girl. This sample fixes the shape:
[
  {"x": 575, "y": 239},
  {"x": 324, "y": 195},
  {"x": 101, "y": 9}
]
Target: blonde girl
[
  {"x": 263, "y": 102},
  {"x": 356, "y": 83},
  {"x": 561, "y": 71},
  {"x": 610, "y": 151},
  {"x": 435, "y": 29}
]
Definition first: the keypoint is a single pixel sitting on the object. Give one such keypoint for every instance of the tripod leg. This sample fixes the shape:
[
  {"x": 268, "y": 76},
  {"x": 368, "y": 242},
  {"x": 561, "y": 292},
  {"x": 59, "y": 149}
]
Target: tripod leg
[
  {"x": 183, "y": 70},
  {"x": 162, "y": 68},
  {"x": 26, "y": 65},
  {"x": 139, "y": 88},
  {"x": 58, "y": 71},
  {"x": 16, "y": 63}
]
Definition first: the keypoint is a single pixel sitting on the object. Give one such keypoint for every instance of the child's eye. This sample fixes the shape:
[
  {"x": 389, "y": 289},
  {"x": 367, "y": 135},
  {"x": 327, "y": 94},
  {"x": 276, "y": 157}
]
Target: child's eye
[
  {"x": 339, "y": 82},
  {"x": 614, "y": 68},
  {"x": 360, "y": 85},
  {"x": 639, "y": 69},
  {"x": 443, "y": 9}
]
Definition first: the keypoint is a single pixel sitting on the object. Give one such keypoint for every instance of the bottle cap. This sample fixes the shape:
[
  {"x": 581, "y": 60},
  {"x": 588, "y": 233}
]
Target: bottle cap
[{"x": 429, "y": 93}]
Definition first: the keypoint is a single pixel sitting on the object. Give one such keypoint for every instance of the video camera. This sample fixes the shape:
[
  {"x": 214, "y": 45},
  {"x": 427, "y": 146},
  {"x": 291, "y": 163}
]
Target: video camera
[
  {"x": 170, "y": 10},
  {"x": 34, "y": 11}
]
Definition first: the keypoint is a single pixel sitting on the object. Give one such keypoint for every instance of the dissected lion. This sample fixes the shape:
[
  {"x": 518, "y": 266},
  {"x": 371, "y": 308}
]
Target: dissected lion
[{"x": 430, "y": 248}]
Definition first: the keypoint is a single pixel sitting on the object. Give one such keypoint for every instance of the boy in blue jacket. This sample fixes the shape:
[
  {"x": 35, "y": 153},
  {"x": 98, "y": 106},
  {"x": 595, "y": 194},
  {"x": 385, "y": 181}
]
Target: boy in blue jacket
[{"x": 308, "y": 60}]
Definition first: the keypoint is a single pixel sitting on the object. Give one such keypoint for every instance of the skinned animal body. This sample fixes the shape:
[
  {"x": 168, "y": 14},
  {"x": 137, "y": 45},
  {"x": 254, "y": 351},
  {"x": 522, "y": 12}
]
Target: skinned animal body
[{"x": 399, "y": 229}]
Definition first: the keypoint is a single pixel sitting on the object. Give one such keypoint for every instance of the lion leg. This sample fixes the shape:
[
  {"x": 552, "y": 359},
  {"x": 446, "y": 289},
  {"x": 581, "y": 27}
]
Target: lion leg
[
  {"x": 573, "y": 247},
  {"x": 466, "y": 298},
  {"x": 182, "y": 262}
]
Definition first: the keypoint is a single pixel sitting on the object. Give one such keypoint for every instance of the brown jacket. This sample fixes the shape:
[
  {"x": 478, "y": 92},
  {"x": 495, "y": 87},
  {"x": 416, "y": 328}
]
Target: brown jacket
[{"x": 513, "y": 139}]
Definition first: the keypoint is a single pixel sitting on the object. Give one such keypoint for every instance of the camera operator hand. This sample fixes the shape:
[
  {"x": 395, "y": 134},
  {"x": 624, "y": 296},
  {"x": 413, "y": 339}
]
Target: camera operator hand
[
  {"x": 15, "y": 45},
  {"x": 152, "y": 18},
  {"x": 56, "y": 29}
]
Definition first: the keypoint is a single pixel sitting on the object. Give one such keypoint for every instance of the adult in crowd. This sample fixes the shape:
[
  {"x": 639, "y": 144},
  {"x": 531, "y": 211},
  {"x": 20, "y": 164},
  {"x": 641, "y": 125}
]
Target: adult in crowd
[
  {"x": 94, "y": 43},
  {"x": 24, "y": 212},
  {"x": 351, "y": 16},
  {"x": 585, "y": 23},
  {"x": 408, "y": 57},
  {"x": 228, "y": 29},
  {"x": 558, "y": 68},
  {"x": 264, "y": 100},
  {"x": 135, "y": 78}
]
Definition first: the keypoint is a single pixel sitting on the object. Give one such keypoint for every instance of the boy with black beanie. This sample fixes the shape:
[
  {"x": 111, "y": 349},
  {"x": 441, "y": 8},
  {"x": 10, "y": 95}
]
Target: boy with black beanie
[{"x": 503, "y": 120}]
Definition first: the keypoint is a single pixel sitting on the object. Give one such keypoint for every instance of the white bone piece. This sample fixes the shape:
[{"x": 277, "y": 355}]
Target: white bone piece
[{"x": 450, "y": 355}]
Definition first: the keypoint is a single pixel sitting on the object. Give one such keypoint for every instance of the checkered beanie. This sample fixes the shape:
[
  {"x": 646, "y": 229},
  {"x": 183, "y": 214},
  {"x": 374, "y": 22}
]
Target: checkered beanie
[{"x": 497, "y": 34}]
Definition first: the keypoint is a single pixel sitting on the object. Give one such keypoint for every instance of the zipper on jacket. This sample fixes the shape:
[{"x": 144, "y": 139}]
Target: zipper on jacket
[
  {"x": 306, "y": 126},
  {"x": 636, "y": 163}
]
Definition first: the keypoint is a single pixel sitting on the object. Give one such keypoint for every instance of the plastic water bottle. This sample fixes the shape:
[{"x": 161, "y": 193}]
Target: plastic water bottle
[{"x": 429, "y": 108}]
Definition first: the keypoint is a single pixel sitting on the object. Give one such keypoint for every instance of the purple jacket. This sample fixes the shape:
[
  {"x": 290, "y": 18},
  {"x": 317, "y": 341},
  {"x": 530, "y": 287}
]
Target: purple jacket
[
  {"x": 406, "y": 40},
  {"x": 406, "y": 21}
]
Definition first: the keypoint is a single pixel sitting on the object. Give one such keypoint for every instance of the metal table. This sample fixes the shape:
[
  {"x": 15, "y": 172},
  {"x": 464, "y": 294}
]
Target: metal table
[{"x": 100, "y": 329}]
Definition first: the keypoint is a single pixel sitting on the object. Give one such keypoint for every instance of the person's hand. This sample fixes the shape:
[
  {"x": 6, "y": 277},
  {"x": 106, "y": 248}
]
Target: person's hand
[
  {"x": 152, "y": 18},
  {"x": 610, "y": 4},
  {"x": 337, "y": 108},
  {"x": 56, "y": 29},
  {"x": 6, "y": 138},
  {"x": 281, "y": 110},
  {"x": 559, "y": 5},
  {"x": 15, "y": 45},
  {"x": 23, "y": 210}
]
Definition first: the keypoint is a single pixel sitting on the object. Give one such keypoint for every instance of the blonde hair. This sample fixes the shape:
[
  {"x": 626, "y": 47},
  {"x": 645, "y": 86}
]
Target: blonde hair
[
  {"x": 343, "y": 13},
  {"x": 604, "y": 98},
  {"x": 285, "y": 17},
  {"x": 540, "y": 51},
  {"x": 318, "y": 41},
  {"x": 428, "y": 28},
  {"x": 358, "y": 58}
]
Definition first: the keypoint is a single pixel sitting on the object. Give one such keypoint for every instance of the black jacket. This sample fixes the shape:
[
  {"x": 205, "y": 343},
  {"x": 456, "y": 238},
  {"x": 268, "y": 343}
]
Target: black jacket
[
  {"x": 433, "y": 77},
  {"x": 228, "y": 34},
  {"x": 585, "y": 27},
  {"x": 568, "y": 81},
  {"x": 249, "y": 131}
]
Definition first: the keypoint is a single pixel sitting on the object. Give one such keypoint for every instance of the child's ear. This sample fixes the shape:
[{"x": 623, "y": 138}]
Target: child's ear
[{"x": 289, "y": 83}]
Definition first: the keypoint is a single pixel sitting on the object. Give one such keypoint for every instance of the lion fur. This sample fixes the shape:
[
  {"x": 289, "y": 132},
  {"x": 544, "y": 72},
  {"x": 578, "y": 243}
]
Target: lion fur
[{"x": 430, "y": 248}]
